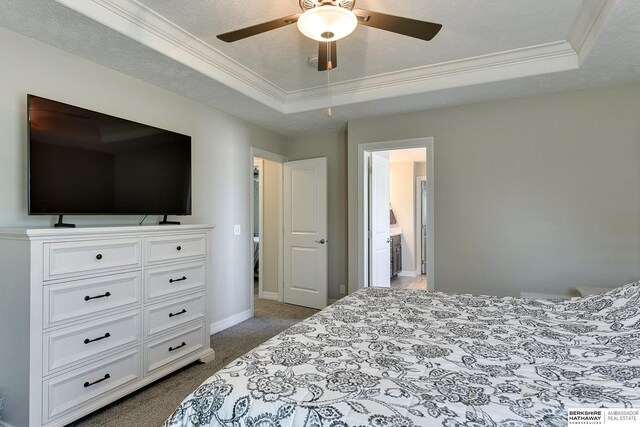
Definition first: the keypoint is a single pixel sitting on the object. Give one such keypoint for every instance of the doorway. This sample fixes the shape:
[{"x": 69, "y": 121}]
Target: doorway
[
  {"x": 266, "y": 222},
  {"x": 258, "y": 212},
  {"x": 288, "y": 234},
  {"x": 267, "y": 213},
  {"x": 396, "y": 215},
  {"x": 395, "y": 218}
]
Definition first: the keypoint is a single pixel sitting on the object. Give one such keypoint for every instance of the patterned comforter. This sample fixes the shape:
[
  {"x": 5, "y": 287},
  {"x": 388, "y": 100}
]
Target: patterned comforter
[{"x": 384, "y": 357}]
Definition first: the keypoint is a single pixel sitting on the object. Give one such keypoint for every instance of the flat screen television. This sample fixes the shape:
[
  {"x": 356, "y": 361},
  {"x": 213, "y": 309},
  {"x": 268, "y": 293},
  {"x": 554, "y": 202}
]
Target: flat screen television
[{"x": 82, "y": 162}]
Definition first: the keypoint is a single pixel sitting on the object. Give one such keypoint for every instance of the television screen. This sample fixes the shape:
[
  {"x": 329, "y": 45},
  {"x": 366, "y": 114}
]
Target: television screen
[{"x": 88, "y": 163}]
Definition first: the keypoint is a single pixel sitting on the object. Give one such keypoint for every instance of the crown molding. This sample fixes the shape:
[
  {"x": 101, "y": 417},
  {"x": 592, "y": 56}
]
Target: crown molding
[
  {"x": 587, "y": 27},
  {"x": 138, "y": 22},
  {"x": 511, "y": 64}
]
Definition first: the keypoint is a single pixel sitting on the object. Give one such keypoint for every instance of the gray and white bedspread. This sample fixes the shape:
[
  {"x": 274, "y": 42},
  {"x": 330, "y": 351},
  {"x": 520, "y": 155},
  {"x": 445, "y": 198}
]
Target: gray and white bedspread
[{"x": 385, "y": 357}]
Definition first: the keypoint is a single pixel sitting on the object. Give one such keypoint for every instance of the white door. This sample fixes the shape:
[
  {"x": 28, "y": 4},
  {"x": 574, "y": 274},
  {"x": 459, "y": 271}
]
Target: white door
[
  {"x": 379, "y": 244},
  {"x": 305, "y": 233}
]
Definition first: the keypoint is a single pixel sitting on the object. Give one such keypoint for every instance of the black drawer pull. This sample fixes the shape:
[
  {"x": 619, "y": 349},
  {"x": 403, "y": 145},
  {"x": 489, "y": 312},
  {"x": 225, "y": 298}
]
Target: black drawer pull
[
  {"x": 178, "y": 280},
  {"x": 178, "y": 313},
  {"x": 107, "y": 335},
  {"x": 88, "y": 384},
  {"x": 179, "y": 248},
  {"x": 175, "y": 348},
  {"x": 106, "y": 294},
  {"x": 99, "y": 256}
]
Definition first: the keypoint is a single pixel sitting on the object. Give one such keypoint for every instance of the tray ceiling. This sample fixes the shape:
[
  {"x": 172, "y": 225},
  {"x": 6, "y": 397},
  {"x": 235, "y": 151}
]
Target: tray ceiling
[
  {"x": 471, "y": 29},
  {"x": 486, "y": 50}
]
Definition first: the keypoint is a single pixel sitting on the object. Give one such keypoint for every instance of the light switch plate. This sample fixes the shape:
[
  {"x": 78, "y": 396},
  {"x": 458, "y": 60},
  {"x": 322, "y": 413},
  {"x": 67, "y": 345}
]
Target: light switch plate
[
  {"x": 236, "y": 230},
  {"x": 343, "y": 289}
]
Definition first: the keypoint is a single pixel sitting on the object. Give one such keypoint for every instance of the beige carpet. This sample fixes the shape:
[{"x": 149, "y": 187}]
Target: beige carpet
[{"x": 154, "y": 403}]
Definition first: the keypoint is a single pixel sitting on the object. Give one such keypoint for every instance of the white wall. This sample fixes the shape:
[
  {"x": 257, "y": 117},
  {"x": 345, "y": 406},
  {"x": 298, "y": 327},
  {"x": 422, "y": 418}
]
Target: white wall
[
  {"x": 220, "y": 144},
  {"x": 333, "y": 146},
  {"x": 532, "y": 194},
  {"x": 402, "y": 197}
]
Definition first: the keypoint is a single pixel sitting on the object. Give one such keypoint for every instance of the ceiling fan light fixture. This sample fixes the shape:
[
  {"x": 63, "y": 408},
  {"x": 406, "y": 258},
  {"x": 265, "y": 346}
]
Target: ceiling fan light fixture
[{"x": 327, "y": 23}]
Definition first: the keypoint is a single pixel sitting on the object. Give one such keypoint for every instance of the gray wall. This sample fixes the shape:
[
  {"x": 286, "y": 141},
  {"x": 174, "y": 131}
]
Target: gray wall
[
  {"x": 220, "y": 151},
  {"x": 334, "y": 147},
  {"x": 537, "y": 194}
]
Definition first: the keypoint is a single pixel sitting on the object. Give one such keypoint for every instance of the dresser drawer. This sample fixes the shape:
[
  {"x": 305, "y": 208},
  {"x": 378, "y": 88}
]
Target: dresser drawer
[
  {"x": 167, "y": 350},
  {"x": 74, "y": 258},
  {"x": 90, "y": 297},
  {"x": 159, "y": 318},
  {"x": 67, "y": 392},
  {"x": 66, "y": 347},
  {"x": 172, "y": 248},
  {"x": 162, "y": 282}
]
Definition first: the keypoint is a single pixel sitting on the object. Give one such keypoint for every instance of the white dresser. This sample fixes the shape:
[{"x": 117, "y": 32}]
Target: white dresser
[{"x": 88, "y": 315}]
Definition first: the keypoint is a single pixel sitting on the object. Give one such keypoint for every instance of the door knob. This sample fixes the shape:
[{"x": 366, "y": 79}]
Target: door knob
[{"x": 321, "y": 241}]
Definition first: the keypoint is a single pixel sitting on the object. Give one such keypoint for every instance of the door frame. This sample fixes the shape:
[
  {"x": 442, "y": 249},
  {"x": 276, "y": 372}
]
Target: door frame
[
  {"x": 278, "y": 158},
  {"x": 418, "y": 223},
  {"x": 363, "y": 204}
]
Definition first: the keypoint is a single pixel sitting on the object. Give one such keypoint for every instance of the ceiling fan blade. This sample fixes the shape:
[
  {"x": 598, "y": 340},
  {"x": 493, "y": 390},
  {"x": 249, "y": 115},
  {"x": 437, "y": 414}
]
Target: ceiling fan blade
[
  {"x": 323, "y": 55},
  {"x": 258, "y": 29},
  {"x": 333, "y": 48},
  {"x": 406, "y": 26},
  {"x": 326, "y": 51}
]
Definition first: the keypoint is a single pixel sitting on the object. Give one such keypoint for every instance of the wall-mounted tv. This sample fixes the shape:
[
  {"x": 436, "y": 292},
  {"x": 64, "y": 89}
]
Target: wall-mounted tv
[{"x": 82, "y": 162}]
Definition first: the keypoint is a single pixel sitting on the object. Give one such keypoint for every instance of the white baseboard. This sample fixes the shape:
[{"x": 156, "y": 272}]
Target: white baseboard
[
  {"x": 534, "y": 295},
  {"x": 270, "y": 295},
  {"x": 409, "y": 273},
  {"x": 223, "y": 324}
]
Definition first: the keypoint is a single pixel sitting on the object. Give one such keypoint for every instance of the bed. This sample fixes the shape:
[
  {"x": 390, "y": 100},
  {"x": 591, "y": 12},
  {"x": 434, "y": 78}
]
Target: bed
[{"x": 384, "y": 357}]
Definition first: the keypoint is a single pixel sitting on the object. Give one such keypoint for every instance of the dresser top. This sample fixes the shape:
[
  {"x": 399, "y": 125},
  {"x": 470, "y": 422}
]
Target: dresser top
[{"x": 49, "y": 232}]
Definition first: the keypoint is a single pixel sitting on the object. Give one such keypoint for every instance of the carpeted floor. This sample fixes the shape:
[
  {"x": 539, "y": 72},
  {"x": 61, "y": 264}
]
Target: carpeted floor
[{"x": 154, "y": 403}]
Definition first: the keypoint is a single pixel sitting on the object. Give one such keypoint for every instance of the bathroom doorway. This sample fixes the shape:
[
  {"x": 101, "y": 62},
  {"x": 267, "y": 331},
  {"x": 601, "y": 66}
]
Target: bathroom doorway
[{"x": 397, "y": 249}]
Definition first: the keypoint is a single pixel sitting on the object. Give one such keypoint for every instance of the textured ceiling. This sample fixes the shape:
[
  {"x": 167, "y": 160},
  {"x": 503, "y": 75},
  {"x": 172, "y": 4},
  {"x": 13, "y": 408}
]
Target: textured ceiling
[
  {"x": 613, "y": 58},
  {"x": 471, "y": 28}
]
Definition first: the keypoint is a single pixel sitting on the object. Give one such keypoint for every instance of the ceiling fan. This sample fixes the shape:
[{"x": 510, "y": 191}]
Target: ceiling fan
[{"x": 329, "y": 20}]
